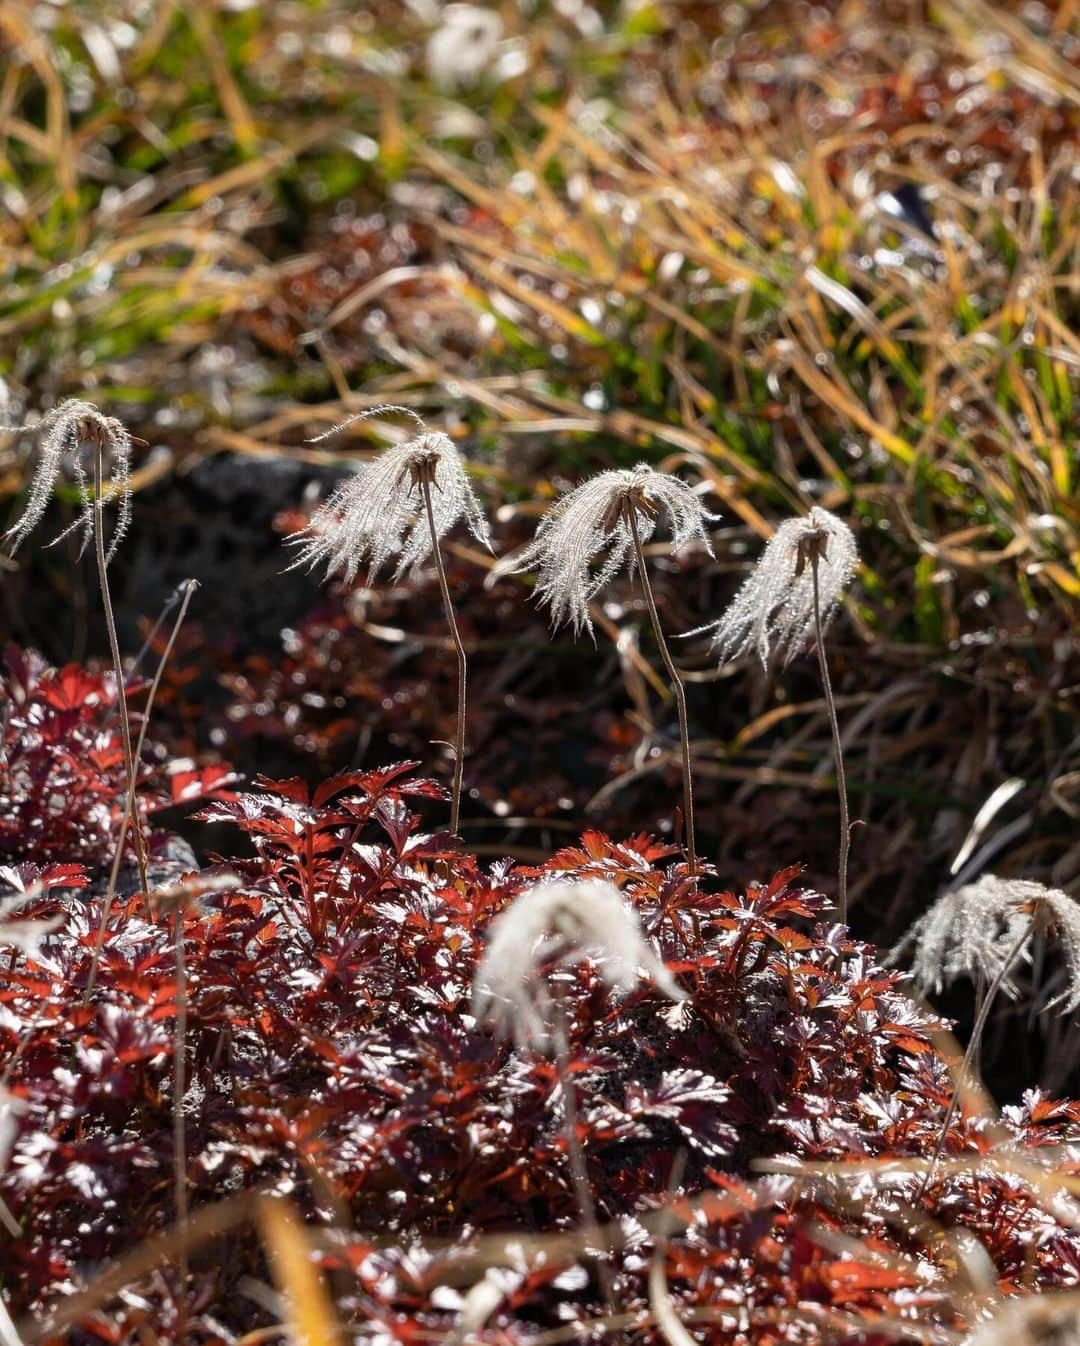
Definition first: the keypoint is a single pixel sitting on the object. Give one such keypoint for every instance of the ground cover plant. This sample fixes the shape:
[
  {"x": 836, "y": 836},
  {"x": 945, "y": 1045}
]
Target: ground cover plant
[
  {"x": 344, "y": 1071},
  {"x": 339, "y": 1005}
]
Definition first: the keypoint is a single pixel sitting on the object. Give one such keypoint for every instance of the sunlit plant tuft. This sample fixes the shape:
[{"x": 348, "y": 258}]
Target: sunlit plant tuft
[
  {"x": 380, "y": 510},
  {"x": 591, "y": 524},
  {"x": 566, "y": 923},
  {"x": 64, "y": 432},
  {"x": 401, "y": 504},
  {"x": 1042, "y": 911},
  {"x": 790, "y": 595},
  {"x": 563, "y": 923},
  {"x": 776, "y": 607},
  {"x": 968, "y": 933},
  {"x": 590, "y": 535}
]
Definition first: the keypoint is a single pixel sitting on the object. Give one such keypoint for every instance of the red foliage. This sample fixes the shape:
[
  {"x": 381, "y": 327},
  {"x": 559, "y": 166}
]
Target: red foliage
[
  {"x": 62, "y": 771},
  {"x": 332, "y": 1058}
]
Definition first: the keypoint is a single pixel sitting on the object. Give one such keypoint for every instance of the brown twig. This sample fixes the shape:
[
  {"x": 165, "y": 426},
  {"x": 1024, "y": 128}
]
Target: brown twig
[
  {"x": 578, "y": 1171},
  {"x": 462, "y": 665},
  {"x": 179, "y": 1147},
  {"x": 677, "y": 687},
  {"x": 838, "y": 753},
  {"x": 972, "y": 1049},
  {"x": 129, "y": 811},
  {"x": 118, "y": 668}
]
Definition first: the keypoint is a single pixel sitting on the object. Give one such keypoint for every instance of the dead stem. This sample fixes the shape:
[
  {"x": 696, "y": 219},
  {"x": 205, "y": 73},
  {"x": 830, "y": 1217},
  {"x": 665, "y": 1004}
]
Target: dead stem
[
  {"x": 118, "y": 670},
  {"x": 455, "y": 635},
  {"x": 838, "y": 754},
  {"x": 964, "y": 1073},
  {"x": 578, "y": 1172},
  {"x": 129, "y": 811},
  {"x": 630, "y": 514},
  {"x": 179, "y": 1148}
]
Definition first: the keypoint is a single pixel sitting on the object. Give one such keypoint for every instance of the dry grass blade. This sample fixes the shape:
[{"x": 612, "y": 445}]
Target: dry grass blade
[
  {"x": 313, "y": 1321},
  {"x": 205, "y": 1225}
]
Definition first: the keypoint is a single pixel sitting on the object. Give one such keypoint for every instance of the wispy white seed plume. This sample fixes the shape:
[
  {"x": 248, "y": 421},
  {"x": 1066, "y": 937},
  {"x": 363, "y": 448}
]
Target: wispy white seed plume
[
  {"x": 12, "y": 1107},
  {"x": 567, "y": 922},
  {"x": 1056, "y": 915},
  {"x": 64, "y": 432},
  {"x": 775, "y": 606},
  {"x": 464, "y": 45},
  {"x": 968, "y": 932},
  {"x": 378, "y": 512},
  {"x": 587, "y": 525},
  {"x": 1050, "y": 1318},
  {"x": 25, "y": 935}
]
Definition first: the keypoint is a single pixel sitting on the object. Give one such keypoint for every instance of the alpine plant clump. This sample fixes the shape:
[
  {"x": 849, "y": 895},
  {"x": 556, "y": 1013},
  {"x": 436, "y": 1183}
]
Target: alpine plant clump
[
  {"x": 790, "y": 595},
  {"x": 401, "y": 504},
  {"x": 594, "y": 532},
  {"x": 63, "y": 433}
]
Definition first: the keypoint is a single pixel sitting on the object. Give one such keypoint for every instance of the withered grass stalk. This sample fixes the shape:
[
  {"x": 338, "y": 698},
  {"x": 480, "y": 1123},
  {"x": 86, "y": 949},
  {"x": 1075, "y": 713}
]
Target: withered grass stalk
[
  {"x": 838, "y": 749},
  {"x": 630, "y": 515},
  {"x": 129, "y": 811},
  {"x": 131, "y": 815},
  {"x": 424, "y": 476}
]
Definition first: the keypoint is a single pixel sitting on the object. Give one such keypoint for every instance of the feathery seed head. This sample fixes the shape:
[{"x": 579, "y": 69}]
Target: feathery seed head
[
  {"x": 591, "y": 520},
  {"x": 775, "y": 605},
  {"x": 65, "y": 431},
  {"x": 968, "y": 932},
  {"x": 379, "y": 511},
  {"x": 1054, "y": 913},
  {"x": 567, "y": 921}
]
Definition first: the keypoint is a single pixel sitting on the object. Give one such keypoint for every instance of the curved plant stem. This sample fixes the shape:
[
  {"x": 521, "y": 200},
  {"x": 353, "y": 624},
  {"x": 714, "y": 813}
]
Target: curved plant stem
[
  {"x": 455, "y": 636},
  {"x": 838, "y": 754},
  {"x": 179, "y": 1148},
  {"x": 578, "y": 1172},
  {"x": 129, "y": 810},
  {"x": 676, "y": 687},
  {"x": 965, "y": 1071},
  {"x": 118, "y": 671}
]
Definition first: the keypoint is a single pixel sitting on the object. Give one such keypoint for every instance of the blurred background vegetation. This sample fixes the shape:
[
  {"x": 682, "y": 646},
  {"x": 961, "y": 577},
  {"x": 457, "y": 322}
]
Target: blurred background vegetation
[{"x": 806, "y": 253}]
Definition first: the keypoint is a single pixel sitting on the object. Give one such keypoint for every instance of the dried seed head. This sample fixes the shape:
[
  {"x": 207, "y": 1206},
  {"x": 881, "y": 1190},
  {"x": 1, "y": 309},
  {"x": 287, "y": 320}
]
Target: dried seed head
[
  {"x": 591, "y": 520},
  {"x": 1046, "y": 1319},
  {"x": 65, "y": 431},
  {"x": 1056, "y": 915},
  {"x": 12, "y": 1107},
  {"x": 379, "y": 512},
  {"x": 775, "y": 606},
  {"x": 566, "y": 921},
  {"x": 463, "y": 47},
  {"x": 968, "y": 932}
]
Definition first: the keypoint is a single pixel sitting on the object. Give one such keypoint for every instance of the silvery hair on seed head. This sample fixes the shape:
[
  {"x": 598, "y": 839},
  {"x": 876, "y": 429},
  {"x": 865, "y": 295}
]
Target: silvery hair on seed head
[
  {"x": 568, "y": 921},
  {"x": 588, "y": 521},
  {"x": 971, "y": 931},
  {"x": 968, "y": 932},
  {"x": 775, "y": 606},
  {"x": 64, "y": 431},
  {"x": 378, "y": 512}
]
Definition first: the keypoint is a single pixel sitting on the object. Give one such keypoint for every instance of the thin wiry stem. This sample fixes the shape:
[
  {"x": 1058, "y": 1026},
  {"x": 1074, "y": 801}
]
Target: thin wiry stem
[
  {"x": 118, "y": 669},
  {"x": 179, "y": 1147},
  {"x": 964, "y": 1073},
  {"x": 838, "y": 753},
  {"x": 129, "y": 811},
  {"x": 578, "y": 1172},
  {"x": 462, "y": 664},
  {"x": 630, "y": 514}
]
